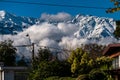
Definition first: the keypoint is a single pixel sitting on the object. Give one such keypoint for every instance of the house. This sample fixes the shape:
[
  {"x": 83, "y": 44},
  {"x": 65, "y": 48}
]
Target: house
[
  {"x": 13, "y": 73},
  {"x": 113, "y": 51}
]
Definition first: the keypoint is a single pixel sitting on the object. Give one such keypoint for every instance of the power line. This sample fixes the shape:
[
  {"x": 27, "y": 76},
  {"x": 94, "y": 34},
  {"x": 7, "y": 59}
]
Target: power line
[
  {"x": 57, "y": 5},
  {"x": 44, "y": 47}
]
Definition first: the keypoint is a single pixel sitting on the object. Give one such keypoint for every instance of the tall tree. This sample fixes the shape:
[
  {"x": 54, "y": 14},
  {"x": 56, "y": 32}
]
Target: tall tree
[
  {"x": 22, "y": 62},
  {"x": 44, "y": 54},
  {"x": 45, "y": 65},
  {"x": 79, "y": 61},
  {"x": 94, "y": 50},
  {"x": 7, "y": 53}
]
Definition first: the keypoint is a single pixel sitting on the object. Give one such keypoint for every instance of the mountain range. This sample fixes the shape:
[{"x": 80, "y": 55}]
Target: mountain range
[{"x": 86, "y": 26}]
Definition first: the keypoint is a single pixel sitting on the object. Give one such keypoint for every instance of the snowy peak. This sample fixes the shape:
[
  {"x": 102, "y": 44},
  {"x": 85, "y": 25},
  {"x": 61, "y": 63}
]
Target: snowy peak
[
  {"x": 94, "y": 27},
  {"x": 12, "y": 24},
  {"x": 85, "y": 26},
  {"x": 2, "y": 15}
]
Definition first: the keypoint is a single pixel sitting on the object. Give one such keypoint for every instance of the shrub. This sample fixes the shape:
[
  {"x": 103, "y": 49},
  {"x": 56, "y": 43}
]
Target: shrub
[
  {"x": 97, "y": 75},
  {"x": 60, "y": 78},
  {"x": 83, "y": 77}
]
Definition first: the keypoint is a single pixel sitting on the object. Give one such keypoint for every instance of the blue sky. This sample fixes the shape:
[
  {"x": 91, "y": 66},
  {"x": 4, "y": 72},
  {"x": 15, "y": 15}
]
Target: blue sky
[{"x": 33, "y": 10}]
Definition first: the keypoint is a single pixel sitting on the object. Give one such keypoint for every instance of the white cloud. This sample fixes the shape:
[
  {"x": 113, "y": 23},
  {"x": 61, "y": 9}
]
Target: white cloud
[
  {"x": 59, "y": 35},
  {"x": 68, "y": 28},
  {"x": 49, "y": 43},
  {"x": 72, "y": 42},
  {"x": 42, "y": 31},
  {"x": 58, "y": 17}
]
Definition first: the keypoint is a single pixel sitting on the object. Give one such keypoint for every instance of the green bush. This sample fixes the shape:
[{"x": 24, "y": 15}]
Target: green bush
[
  {"x": 83, "y": 77},
  {"x": 46, "y": 69},
  {"x": 60, "y": 78},
  {"x": 97, "y": 75},
  {"x": 52, "y": 78}
]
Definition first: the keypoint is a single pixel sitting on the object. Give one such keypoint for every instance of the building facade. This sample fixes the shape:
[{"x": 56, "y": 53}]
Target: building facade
[
  {"x": 113, "y": 51},
  {"x": 13, "y": 73}
]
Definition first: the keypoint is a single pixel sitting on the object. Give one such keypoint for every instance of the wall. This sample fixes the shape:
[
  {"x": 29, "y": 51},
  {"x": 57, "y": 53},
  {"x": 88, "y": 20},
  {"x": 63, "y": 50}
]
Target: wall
[
  {"x": 9, "y": 75},
  {"x": 116, "y": 62}
]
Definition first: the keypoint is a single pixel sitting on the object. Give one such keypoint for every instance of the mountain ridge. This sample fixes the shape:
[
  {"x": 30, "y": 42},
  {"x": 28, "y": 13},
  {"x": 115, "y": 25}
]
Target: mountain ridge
[
  {"x": 12, "y": 24},
  {"x": 88, "y": 27}
]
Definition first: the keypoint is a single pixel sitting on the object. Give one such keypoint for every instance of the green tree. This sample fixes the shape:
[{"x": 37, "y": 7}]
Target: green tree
[
  {"x": 117, "y": 31},
  {"x": 47, "y": 69},
  {"x": 79, "y": 61},
  {"x": 104, "y": 63},
  {"x": 97, "y": 74},
  {"x": 22, "y": 62},
  {"x": 46, "y": 65},
  {"x": 43, "y": 54},
  {"x": 7, "y": 53},
  {"x": 85, "y": 65},
  {"x": 94, "y": 50},
  {"x": 83, "y": 77},
  {"x": 76, "y": 54},
  {"x": 75, "y": 66},
  {"x": 116, "y": 8},
  {"x": 81, "y": 64}
]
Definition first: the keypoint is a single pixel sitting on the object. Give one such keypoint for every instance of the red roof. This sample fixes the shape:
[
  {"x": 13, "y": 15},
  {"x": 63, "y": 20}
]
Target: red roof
[{"x": 111, "y": 48}]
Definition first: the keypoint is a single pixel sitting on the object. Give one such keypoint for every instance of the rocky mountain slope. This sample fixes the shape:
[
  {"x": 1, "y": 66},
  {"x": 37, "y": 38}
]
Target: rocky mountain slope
[{"x": 78, "y": 27}]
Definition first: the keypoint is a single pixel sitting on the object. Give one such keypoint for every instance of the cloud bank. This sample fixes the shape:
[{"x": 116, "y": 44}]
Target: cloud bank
[
  {"x": 57, "y": 18},
  {"x": 60, "y": 35}
]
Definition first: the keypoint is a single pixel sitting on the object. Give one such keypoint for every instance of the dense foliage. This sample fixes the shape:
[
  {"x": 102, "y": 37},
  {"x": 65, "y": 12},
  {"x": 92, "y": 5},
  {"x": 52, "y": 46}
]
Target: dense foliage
[
  {"x": 117, "y": 31},
  {"x": 94, "y": 50},
  {"x": 43, "y": 54},
  {"x": 79, "y": 64},
  {"x": 79, "y": 58},
  {"x": 60, "y": 78},
  {"x": 22, "y": 62},
  {"x": 46, "y": 69},
  {"x": 7, "y": 53},
  {"x": 85, "y": 63},
  {"x": 46, "y": 65}
]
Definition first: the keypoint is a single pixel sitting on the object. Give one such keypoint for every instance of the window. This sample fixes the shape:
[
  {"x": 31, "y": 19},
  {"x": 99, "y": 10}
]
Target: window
[
  {"x": 115, "y": 63},
  {"x": 21, "y": 75}
]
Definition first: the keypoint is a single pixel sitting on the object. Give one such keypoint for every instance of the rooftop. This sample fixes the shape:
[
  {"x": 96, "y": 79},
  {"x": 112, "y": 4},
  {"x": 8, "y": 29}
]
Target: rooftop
[{"x": 111, "y": 48}]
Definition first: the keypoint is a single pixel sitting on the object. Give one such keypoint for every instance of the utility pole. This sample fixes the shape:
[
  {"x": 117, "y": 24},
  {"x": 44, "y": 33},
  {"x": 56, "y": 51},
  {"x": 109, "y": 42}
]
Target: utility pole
[
  {"x": 33, "y": 52},
  {"x": 33, "y": 47}
]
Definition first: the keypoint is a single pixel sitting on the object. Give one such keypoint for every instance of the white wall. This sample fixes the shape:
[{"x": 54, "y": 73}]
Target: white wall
[
  {"x": 116, "y": 62},
  {"x": 0, "y": 75},
  {"x": 119, "y": 61}
]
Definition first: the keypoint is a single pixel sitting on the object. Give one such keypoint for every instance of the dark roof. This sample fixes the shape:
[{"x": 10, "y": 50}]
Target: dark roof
[{"x": 111, "y": 48}]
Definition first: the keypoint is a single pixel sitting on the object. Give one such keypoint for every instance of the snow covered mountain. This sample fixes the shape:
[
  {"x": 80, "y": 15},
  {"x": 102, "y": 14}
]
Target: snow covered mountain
[
  {"x": 12, "y": 24},
  {"x": 94, "y": 27},
  {"x": 78, "y": 27},
  {"x": 57, "y": 31}
]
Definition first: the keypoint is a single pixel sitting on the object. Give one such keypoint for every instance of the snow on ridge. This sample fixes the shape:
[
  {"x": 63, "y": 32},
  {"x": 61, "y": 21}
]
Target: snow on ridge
[
  {"x": 12, "y": 24},
  {"x": 94, "y": 27},
  {"x": 2, "y": 15},
  {"x": 61, "y": 30}
]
